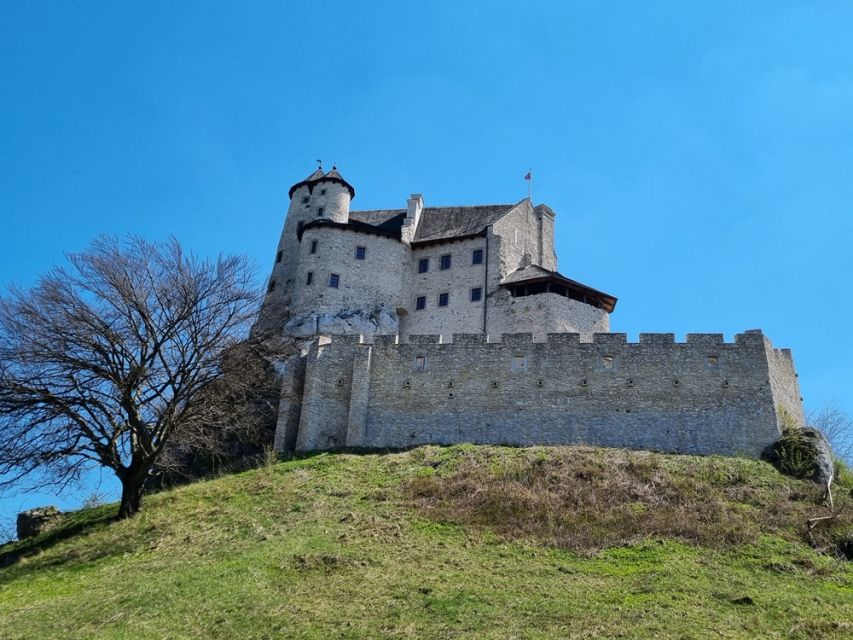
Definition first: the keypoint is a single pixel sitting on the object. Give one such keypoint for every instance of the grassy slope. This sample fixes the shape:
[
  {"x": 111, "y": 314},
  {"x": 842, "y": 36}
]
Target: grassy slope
[{"x": 346, "y": 546}]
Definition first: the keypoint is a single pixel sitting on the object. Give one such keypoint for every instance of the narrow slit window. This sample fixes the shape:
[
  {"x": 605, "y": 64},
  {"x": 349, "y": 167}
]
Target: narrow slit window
[
  {"x": 334, "y": 279},
  {"x": 321, "y": 212},
  {"x": 278, "y": 257},
  {"x": 313, "y": 246},
  {"x": 309, "y": 279}
]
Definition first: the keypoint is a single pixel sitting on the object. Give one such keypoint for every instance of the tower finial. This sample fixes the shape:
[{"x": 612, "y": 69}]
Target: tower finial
[{"x": 319, "y": 164}]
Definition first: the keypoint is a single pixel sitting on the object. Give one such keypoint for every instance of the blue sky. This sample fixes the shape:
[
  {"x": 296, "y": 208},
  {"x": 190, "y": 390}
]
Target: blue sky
[{"x": 698, "y": 155}]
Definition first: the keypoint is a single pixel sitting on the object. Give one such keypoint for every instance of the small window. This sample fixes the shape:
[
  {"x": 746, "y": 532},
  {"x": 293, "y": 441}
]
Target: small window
[
  {"x": 443, "y": 299},
  {"x": 518, "y": 364},
  {"x": 420, "y": 363},
  {"x": 313, "y": 246},
  {"x": 278, "y": 257},
  {"x": 320, "y": 212},
  {"x": 423, "y": 265},
  {"x": 360, "y": 252},
  {"x": 333, "y": 280},
  {"x": 271, "y": 286},
  {"x": 322, "y": 192},
  {"x": 420, "y": 303},
  {"x": 445, "y": 262},
  {"x": 477, "y": 256},
  {"x": 309, "y": 279},
  {"x": 607, "y": 361},
  {"x": 305, "y": 199},
  {"x": 476, "y": 294}
]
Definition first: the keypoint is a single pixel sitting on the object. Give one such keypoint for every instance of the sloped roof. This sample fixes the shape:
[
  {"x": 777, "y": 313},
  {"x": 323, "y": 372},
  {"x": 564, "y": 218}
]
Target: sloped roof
[
  {"x": 318, "y": 176},
  {"x": 533, "y": 274},
  {"x": 448, "y": 223},
  {"x": 378, "y": 216}
]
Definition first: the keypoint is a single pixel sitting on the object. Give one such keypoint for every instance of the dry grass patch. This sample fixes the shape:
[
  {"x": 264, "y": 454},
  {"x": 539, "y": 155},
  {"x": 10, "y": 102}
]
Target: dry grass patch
[{"x": 587, "y": 499}]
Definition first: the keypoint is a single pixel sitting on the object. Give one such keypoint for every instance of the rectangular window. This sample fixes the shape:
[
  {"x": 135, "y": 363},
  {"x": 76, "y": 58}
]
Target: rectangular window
[
  {"x": 333, "y": 280},
  {"x": 443, "y": 298},
  {"x": 322, "y": 192},
  {"x": 476, "y": 294},
  {"x": 360, "y": 252},
  {"x": 309, "y": 280},
  {"x": 320, "y": 211},
  {"x": 445, "y": 262},
  {"x": 420, "y": 303},
  {"x": 477, "y": 256},
  {"x": 278, "y": 257},
  {"x": 423, "y": 265},
  {"x": 313, "y": 246},
  {"x": 305, "y": 199}
]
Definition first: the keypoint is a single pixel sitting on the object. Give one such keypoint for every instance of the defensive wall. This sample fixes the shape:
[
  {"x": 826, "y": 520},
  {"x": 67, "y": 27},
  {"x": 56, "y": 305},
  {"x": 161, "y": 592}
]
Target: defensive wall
[{"x": 702, "y": 396}]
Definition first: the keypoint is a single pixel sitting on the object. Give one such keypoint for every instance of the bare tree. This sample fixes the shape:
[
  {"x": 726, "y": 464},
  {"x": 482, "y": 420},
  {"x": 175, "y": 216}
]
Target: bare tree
[
  {"x": 837, "y": 426},
  {"x": 104, "y": 359}
]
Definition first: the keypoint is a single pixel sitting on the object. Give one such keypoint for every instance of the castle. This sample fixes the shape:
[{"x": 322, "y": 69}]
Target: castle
[{"x": 452, "y": 324}]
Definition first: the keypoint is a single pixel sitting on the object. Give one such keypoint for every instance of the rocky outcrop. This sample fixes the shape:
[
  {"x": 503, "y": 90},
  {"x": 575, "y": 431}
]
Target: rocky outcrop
[
  {"x": 37, "y": 521},
  {"x": 367, "y": 322}
]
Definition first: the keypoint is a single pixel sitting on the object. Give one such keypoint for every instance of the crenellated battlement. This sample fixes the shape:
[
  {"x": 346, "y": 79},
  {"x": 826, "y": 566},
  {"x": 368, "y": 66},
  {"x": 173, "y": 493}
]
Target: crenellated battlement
[
  {"x": 700, "y": 395},
  {"x": 557, "y": 340}
]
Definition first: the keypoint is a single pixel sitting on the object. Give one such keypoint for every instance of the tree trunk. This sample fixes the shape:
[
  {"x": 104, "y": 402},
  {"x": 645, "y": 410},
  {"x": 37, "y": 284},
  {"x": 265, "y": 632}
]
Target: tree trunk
[{"x": 131, "y": 495}]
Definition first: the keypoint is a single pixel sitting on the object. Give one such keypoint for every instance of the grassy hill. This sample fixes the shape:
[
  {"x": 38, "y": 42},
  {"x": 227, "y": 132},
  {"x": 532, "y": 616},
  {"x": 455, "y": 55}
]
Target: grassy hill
[{"x": 458, "y": 542}]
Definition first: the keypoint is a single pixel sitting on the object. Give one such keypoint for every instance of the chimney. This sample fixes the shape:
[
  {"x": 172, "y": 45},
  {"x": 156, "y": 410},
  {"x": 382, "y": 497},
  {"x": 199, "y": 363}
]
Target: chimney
[{"x": 415, "y": 205}]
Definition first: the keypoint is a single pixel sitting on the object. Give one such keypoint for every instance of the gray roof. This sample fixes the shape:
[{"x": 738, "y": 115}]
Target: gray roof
[
  {"x": 527, "y": 273},
  {"x": 437, "y": 224},
  {"x": 532, "y": 274},
  {"x": 447, "y": 223}
]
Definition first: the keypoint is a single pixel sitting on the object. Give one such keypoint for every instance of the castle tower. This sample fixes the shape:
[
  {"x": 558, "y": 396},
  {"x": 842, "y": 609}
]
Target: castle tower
[{"x": 320, "y": 196}]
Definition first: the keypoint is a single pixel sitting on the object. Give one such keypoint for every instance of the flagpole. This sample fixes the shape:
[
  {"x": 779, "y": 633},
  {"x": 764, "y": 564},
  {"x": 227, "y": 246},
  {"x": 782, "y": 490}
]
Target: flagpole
[{"x": 530, "y": 185}]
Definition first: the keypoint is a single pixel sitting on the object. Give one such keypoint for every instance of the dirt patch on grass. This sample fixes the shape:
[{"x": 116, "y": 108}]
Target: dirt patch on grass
[{"x": 587, "y": 499}]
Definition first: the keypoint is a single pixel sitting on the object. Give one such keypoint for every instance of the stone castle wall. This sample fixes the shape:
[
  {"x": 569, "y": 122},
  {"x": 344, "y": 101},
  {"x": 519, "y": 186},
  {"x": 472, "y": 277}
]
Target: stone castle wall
[{"x": 704, "y": 396}]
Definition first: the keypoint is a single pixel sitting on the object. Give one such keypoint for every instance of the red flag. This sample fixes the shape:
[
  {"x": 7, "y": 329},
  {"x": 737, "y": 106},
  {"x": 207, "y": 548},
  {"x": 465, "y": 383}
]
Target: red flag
[{"x": 529, "y": 175}]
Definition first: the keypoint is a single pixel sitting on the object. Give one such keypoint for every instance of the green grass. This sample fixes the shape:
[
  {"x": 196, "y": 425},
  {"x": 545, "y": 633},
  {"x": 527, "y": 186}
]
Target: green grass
[{"x": 418, "y": 545}]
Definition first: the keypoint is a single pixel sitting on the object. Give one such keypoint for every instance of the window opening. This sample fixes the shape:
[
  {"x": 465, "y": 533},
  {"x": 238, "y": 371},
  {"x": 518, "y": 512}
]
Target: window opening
[
  {"x": 423, "y": 265},
  {"x": 477, "y": 257},
  {"x": 320, "y": 211},
  {"x": 476, "y": 294},
  {"x": 360, "y": 252},
  {"x": 313, "y": 246},
  {"x": 309, "y": 280},
  {"x": 420, "y": 303},
  {"x": 443, "y": 299},
  {"x": 334, "y": 278},
  {"x": 278, "y": 257},
  {"x": 445, "y": 262}
]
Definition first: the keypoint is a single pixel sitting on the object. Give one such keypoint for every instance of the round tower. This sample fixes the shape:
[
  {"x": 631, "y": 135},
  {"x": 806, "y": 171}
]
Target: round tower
[{"x": 319, "y": 197}]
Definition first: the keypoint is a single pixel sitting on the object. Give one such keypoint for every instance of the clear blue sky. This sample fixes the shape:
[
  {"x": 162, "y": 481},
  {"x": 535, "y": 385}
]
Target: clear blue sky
[{"x": 698, "y": 155}]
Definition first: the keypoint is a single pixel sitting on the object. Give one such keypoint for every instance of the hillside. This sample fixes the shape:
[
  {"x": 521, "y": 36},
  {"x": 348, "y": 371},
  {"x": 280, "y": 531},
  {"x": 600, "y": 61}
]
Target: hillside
[{"x": 458, "y": 542}]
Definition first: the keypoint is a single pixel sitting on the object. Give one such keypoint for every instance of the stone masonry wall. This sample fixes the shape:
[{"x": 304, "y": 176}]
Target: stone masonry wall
[
  {"x": 547, "y": 312},
  {"x": 460, "y": 315},
  {"x": 704, "y": 396}
]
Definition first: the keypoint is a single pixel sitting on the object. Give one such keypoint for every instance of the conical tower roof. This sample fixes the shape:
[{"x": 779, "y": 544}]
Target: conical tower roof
[{"x": 318, "y": 176}]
